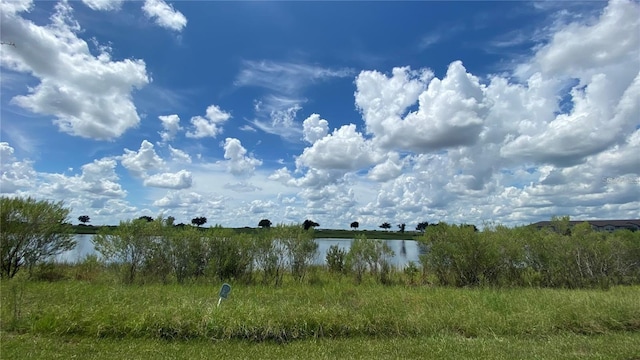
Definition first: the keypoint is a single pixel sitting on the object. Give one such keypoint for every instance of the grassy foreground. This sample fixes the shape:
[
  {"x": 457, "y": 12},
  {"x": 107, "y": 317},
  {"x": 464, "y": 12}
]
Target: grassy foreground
[
  {"x": 562, "y": 346},
  {"x": 72, "y": 318}
]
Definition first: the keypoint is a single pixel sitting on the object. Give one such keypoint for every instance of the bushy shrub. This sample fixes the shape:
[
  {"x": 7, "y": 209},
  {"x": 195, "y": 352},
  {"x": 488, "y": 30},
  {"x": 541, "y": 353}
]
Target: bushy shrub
[
  {"x": 269, "y": 256},
  {"x": 187, "y": 252},
  {"x": 411, "y": 271},
  {"x": 335, "y": 259},
  {"x": 49, "y": 271},
  {"x": 32, "y": 231},
  {"x": 560, "y": 256},
  {"x": 300, "y": 247},
  {"x": 458, "y": 257},
  {"x": 230, "y": 255},
  {"x": 129, "y": 244},
  {"x": 369, "y": 254},
  {"x": 89, "y": 268}
]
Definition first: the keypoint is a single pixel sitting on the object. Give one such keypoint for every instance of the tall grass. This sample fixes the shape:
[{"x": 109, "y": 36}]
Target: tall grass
[
  {"x": 517, "y": 284},
  {"x": 296, "y": 311}
]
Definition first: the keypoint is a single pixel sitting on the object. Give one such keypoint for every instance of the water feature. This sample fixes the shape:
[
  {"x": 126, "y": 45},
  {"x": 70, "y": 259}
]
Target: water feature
[{"x": 404, "y": 250}]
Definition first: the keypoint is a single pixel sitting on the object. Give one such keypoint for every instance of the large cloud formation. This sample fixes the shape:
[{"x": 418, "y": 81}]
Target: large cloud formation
[
  {"x": 89, "y": 95},
  {"x": 558, "y": 133},
  {"x": 560, "y": 136}
]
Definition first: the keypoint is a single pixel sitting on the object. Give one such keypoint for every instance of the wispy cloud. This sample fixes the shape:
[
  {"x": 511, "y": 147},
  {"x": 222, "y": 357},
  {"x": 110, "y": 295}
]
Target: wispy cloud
[
  {"x": 512, "y": 38},
  {"x": 439, "y": 35},
  {"x": 286, "y": 77},
  {"x": 429, "y": 40},
  {"x": 247, "y": 128},
  {"x": 285, "y": 83},
  {"x": 281, "y": 121}
]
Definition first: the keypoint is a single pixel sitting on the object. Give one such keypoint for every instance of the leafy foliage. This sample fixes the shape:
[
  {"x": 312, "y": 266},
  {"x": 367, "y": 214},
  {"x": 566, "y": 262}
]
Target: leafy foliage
[
  {"x": 229, "y": 255},
  {"x": 199, "y": 221},
  {"x": 131, "y": 244},
  {"x": 265, "y": 223},
  {"x": 561, "y": 224},
  {"x": 84, "y": 219},
  {"x": 335, "y": 259},
  {"x": 309, "y": 224},
  {"x": 269, "y": 256},
  {"x": 355, "y": 225},
  {"x": 557, "y": 257},
  {"x": 412, "y": 271},
  {"x": 422, "y": 226},
  {"x": 32, "y": 231},
  {"x": 187, "y": 253},
  {"x": 369, "y": 254},
  {"x": 385, "y": 226},
  {"x": 300, "y": 247}
]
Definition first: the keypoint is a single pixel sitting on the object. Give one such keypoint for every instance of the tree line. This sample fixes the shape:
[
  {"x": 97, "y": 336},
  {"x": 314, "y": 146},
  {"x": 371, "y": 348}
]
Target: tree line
[
  {"x": 266, "y": 223},
  {"x": 453, "y": 255}
]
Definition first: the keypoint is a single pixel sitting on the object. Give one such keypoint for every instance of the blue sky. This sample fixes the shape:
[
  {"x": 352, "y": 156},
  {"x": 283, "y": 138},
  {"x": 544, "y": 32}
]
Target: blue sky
[{"x": 400, "y": 112}]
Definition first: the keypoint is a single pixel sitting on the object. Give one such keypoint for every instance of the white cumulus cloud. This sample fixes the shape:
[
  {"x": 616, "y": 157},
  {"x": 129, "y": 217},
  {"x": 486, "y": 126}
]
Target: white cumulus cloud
[
  {"x": 180, "y": 180},
  {"x": 208, "y": 126},
  {"x": 238, "y": 162},
  {"x": 179, "y": 156},
  {"x": 164, "y": 14},
  {"x": 175, "y": 199},
  {"x": 314, "y": 128},
  {"x": 171, "y": 126},
  {"x": 89, "y": 95},
  {"x": 391, "y": 168},
  {"x": 345, "y": 149},
  {"x": 604, "y": 101},
  {"x": 450, "y": 111},
  {"x": 14, "y": 174},
  {"x": 143, "y": 160}
]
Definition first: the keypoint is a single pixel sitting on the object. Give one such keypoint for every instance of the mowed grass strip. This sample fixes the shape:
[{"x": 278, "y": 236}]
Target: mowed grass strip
[
  {"x": 299, "y": 311},
  {"x": 613, "y": 345}
]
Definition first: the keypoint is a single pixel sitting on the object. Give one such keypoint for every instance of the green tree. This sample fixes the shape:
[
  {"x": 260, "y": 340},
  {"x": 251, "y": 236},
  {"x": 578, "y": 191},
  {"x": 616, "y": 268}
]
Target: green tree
[
  {"x": 84, "y": 219},
  {"x": 459, "y": 256},
  {"x": 269, "y": 256},
  {"x": 32, "y": 231},
  {"x": 187, "y": 252},
  {"x": 369, "y": 254},
  {"x": 561, "y": 224},
  {"x": 355, "y": 225},
  {"x": 422, "y": 226},
  {"x": 265, "y": 223},
  {"x": 146, "y": 218},
  {"x": 199, "y": 221},
  {"x": 385, "y": 226},
  {"x": 229, "y": 254},
  {"x": 336, "y": 259},
  {"x": 131, "y": 243},
  {"x": 300, "y": 247},
  {"x": 309, "y": 224}
]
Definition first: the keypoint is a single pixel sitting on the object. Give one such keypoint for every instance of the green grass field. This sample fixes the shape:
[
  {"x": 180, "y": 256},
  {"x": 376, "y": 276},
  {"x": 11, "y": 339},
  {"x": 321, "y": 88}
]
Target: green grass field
[
  {"x": 561, "y": 346},
  {"x": 41, "y": 320}
]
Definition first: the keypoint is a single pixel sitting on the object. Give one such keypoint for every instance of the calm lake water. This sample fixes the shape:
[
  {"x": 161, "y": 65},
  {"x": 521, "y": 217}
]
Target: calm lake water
[{"x": 404, "y": 250}]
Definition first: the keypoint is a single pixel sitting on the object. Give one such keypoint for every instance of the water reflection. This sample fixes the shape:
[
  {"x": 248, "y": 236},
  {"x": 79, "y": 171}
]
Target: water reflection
[{"x": 404, "y": 250}]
